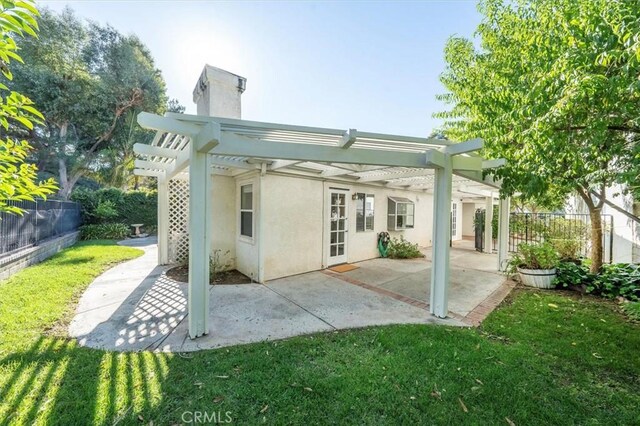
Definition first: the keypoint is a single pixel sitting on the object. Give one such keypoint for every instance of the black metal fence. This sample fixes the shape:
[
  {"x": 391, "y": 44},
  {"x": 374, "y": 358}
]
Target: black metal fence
[
  {"x": 538, "y": 227},
  {"x": 41, "y": 220}
]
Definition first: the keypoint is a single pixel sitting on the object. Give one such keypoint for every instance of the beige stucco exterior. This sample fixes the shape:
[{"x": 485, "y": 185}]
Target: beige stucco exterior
[{"x": 294, "y": 220}]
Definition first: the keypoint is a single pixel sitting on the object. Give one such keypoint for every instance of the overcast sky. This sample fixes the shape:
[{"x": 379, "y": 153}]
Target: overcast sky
[{"x": 372, "y": 66}]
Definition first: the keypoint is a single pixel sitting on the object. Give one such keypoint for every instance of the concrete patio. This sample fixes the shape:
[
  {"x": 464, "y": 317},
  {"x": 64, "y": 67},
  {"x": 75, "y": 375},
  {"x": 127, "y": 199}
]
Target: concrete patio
[{"x": 135, "y": 306}]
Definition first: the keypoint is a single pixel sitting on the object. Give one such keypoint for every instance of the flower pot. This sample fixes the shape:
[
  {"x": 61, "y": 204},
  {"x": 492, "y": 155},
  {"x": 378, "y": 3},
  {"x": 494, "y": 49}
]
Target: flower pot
[{"x": 539, "y": 278}]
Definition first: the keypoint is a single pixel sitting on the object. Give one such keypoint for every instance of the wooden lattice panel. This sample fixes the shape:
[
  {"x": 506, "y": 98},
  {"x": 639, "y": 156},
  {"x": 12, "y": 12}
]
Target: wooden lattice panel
[{"x": 178, "y": 221}]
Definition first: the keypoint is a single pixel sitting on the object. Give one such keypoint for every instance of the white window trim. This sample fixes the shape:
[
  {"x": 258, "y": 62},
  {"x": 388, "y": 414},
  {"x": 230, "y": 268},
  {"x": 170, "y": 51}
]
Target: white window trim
[
  {"x": 254, "y": 182},
  {"x": 395, "y": 215}
]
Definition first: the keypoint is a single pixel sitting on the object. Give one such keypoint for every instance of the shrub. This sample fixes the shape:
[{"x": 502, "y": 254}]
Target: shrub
[
  {"x": 112, "y": 205},
  {"x": 104, "y": 231},
  {"x": 568, "y": 249},
  {"x": 403, "y": 249},
  {"x": 534, "y": 256},
  {"x": 614, "y": 280}
]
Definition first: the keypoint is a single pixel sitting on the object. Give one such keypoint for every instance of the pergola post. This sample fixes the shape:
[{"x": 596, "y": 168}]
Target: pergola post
[
  {"x": 199, "y": 241},
  {"x": 441, "y": 236},
  {"x": 488, "y": 224},
  {"x": 163, "y": 221},
  {"x": 503, "y": 232}
]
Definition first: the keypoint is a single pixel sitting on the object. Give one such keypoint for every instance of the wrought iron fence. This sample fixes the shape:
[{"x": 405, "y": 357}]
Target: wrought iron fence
[
  {"x": 539, "y": 227},
  {"x": 41, "y": 220}
]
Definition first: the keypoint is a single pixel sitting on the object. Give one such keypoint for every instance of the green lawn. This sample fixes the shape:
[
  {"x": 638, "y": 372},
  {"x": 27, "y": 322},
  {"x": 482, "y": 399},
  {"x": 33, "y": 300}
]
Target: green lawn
[{"x": 544, "y": 358}]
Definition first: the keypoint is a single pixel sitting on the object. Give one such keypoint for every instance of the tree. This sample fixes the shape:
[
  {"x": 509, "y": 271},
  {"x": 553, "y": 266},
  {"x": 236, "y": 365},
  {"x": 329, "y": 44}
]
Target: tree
[
  {"x": 553, "y": 88},
  {"x": 17, "y": 178},
  {"x": 89, "y": 81}
]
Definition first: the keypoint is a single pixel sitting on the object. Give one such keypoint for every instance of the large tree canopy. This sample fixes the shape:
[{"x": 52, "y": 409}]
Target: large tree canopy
[
  {"x": 88, "y": 80},
  {"x": 554, "y": 88},
  {"x": 17, "y": 112}
]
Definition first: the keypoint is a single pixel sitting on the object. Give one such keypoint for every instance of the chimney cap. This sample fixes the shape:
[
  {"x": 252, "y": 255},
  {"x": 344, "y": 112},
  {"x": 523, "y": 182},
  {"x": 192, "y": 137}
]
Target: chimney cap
[{"x": 211, "y": 73}]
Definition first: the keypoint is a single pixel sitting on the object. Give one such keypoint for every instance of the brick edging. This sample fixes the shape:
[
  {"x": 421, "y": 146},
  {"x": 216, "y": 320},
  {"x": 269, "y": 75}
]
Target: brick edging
[{"x": 482, "y": 311}]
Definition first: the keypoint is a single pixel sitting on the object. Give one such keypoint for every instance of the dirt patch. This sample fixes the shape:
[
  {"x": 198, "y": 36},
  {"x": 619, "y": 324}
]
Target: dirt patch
[{"x": 181, "y": 274}]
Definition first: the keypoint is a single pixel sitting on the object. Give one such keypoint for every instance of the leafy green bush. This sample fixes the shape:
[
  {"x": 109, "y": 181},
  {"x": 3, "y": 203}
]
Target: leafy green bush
[
  {"x": 614, "y": 280},
  {"x": 112, "y": 205},
  {"x": 403, "y": 249},
  {"x": 104, "y": 231},
  {"x": 568, "y": 249},
  {"x": 571, "y": 274},
  {"x": 534, "y": 256}
]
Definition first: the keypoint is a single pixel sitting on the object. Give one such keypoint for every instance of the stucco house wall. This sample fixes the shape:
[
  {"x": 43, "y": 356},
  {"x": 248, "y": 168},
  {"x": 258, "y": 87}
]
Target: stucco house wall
[
  {"x": 223, "y": 241},
  {"x": 295, "y": 215}
]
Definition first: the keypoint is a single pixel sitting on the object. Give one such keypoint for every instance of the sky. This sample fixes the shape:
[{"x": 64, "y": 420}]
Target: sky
[{"x": 371, "y": 66}]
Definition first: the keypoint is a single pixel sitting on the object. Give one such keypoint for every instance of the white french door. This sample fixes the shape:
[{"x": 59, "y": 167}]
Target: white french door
[{"x": 338, "y": 231}]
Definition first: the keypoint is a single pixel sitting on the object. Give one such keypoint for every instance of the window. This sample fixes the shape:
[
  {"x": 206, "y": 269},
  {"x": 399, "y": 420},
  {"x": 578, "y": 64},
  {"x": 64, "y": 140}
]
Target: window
[
  {"x": 364, "y": 212},
  {"x": 400, "y": 213},
  {"x": 454, "y": 219},
  {"x": 246, "y": 211}
]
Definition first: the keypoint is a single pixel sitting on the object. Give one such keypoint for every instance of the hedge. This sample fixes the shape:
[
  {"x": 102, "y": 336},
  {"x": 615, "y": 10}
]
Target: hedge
[{"x": 112, "y": 205}]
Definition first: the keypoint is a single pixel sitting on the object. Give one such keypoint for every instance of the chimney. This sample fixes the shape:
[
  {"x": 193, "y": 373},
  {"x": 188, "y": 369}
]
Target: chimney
[{"x": 217, "y": 93}]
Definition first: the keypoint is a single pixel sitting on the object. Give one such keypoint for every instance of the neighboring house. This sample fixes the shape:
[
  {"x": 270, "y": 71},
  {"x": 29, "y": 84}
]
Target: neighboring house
[
  {"x": 625, "y": 232},
  {"x": 309, "y": 215}
]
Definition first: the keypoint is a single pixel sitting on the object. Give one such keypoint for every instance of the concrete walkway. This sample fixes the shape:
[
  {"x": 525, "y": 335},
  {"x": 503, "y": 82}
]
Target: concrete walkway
[{"x": 135, "y": 306}]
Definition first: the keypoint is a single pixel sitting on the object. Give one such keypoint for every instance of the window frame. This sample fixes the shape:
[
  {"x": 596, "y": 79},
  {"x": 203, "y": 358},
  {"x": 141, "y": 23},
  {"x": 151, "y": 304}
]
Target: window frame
[
  {"x": 393, "y": 215},
  {"x": 361, "y": 204},
  {"x": 252, "y": 210},
  {"x": 454, "y": 219}
]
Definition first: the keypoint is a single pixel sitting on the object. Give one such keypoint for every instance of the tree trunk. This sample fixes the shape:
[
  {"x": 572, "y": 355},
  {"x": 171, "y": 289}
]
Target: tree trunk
[
  {"x": 595, "y": 211},
  {"x": 596, "y": 240}
]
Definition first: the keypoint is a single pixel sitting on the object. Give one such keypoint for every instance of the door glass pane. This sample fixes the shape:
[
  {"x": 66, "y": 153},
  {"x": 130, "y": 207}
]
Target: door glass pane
[
  {"x": 246, "y": 197},
  {"x": 334, "y": 237},
  {"x": 332, "y": 250},
  {"x": 334, "y": 225},
  {"x": 341, "y": 237},
  {"x": 342, "y": 212},
  {"x": 334, "y": 199},
  {"x": 340, "y": 249},
  {"x": 341, "y": 225}
]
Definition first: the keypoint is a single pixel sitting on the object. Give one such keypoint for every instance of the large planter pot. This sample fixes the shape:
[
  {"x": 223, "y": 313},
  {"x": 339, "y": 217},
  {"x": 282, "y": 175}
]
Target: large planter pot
[{"x": 539, "y": 278}]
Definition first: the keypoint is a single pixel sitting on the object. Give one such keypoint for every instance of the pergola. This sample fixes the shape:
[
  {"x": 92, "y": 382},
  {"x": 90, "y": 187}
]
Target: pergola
[{"x": 212, "y": 145}]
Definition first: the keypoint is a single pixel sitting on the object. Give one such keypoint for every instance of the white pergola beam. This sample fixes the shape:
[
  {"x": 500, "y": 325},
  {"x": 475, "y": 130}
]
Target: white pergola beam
[
  {"x": 234, "y": 163},
  {"x": 167, "y": 124},
  {"x": 155, "y": 151},
  {"x": 152, "y": 165},
  {"x": 493, "y": 164},
  {"x": 463, "y": 147},
  {"x": 475, "y": 191},
  {"x": 439, "y": 299},
  {"x": 279, "y": 164},
  {"x": 149, "y": 173},
  {"x": 348, "y": 138},
  {"x": 232, "y": 144},
  {"x": 208, "y": 137},
  {"x": 391, "y": 175},
  {"x": 182, "y": 161}
]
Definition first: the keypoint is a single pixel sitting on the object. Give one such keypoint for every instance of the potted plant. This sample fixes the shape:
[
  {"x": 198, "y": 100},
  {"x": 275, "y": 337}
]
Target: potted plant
[{"x": 535, "y": 264}]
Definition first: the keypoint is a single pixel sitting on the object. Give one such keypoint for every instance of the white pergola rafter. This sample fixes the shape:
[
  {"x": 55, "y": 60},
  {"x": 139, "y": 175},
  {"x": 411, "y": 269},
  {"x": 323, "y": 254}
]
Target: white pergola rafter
[{"x": 205, "y": 144}]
